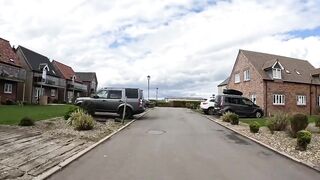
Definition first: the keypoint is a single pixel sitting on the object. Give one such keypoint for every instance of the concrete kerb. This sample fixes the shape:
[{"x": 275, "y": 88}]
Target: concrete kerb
[
  {"x": 63, "y": 164},
  {"x": 312, "y": 166}
]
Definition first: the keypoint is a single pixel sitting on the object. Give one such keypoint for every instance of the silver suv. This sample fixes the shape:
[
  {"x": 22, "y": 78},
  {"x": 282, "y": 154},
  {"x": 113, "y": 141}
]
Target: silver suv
[{"x": 113, "y": 100}]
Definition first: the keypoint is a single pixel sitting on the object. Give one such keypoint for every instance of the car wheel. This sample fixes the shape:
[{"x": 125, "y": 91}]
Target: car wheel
[
  {"x": 128, "y": 115},
  {"x": 258, "y": 114},
  {"x": 211, "y": 111}
]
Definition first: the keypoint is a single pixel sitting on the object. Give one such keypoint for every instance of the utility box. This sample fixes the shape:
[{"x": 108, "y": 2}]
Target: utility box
[{"x": 43, "y": 100}]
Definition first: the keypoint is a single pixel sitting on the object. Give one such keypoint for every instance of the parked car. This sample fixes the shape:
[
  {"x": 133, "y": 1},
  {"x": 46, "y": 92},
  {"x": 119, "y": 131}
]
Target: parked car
[
  {"x": 237, "y": 104},
  {"x": 208, "y": 106},
  {"x": 113, "y": 100}
]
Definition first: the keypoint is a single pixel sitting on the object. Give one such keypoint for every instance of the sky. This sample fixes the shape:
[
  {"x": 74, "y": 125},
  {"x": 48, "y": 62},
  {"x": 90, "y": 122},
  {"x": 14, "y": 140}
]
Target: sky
[{"x": 187, "y": 46}]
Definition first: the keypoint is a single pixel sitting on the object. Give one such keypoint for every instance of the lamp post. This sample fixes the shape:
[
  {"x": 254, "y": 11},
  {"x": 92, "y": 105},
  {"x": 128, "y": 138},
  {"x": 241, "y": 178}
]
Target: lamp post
[
  {"x": 157, "y": 93},
  {"x": 148, "y": 77}
]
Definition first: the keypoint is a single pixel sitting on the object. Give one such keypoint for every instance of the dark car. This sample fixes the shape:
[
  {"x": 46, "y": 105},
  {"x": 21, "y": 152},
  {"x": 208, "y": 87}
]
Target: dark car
[{"x": 237, "y": 104}]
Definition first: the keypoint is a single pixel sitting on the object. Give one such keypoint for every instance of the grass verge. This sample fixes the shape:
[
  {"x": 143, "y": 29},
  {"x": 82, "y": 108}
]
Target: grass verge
[{"x": 12, "y": 114}]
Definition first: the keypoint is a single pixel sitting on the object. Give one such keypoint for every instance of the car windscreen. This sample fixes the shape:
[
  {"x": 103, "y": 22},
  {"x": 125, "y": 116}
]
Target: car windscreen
[{"x": 132, "y": 93}]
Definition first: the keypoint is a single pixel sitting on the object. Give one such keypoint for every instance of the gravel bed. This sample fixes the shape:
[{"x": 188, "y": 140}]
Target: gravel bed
[
  {"x": 58, "y": 127},
  {"x": 281, "y": 141}
]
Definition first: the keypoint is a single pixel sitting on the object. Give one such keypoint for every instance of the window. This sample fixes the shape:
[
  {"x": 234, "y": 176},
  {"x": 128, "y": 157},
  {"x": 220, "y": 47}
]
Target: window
[
  {"x": 113, "y": 94},
  {"x": 319, "y": 101},
  {"x": 278, "y": 99},
  {"x": 247, "y": 102},
  {"x": 102, "y": 93},
  {"x": 8, "y": 88},
  {"x": 232, "y": 100},
  {"x": 236, "y": 78},
  {"x": 254, "y": 98},
  {"x": 301, "y": 100},
  {"x": 276, "y": 73},
  {"x": 246, "y": 75},
  {"x": 53, "y": 92},
  {"x": 132, "y": 93}
]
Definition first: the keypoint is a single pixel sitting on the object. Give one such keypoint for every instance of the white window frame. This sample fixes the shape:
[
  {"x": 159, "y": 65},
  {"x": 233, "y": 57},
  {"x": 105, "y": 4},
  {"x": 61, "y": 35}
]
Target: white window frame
[
  {"x": 276, "y": 73},
  {"x": 7, "y": 88},
  {"x": 301, "y": 100},
  {"x": 237, "y": 78},
  {"x": 279, "y": 99},
  {"x": 246, "y": 75},
  {"x": 254, "y": 98},
  {"x": 53, "y": 93}
]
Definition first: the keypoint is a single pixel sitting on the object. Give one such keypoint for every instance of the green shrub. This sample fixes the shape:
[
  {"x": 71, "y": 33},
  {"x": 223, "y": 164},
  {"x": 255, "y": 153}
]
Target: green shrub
[
  {"x": 89, "y": 107},
  {"x": 317, "y": 120},
  {"x": 230, "y": 117},
  {"x": 278, "y": 122},
  {"x": 70, "y": 111},
  {"x": 303, "y": 139},
  {"x": 254, "y": 127},
  {"x": 81, "y": 121},
  {"x": 234, "y": 119},
  {"x": 26, "y": 121},
  {"x": 298, "y": 122}
]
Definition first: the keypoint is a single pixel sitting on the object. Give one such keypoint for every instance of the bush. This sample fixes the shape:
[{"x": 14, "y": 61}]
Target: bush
[
  {"x": 89, "y": 107},
  {"x": 70, "y": 111},
  {"x": 278, "y": 122},
  {"x": 26, "y": 121},
  {"x": 303, "y": 139},
  {"x": 81, "y": 121},
  {"x": 230, "y": 117},
  {"x": 254, "y": 127},
  {"x": 298, "y": 122},
  {"x": 317, "y": 120},
  {"x": 234, "y": 119}
]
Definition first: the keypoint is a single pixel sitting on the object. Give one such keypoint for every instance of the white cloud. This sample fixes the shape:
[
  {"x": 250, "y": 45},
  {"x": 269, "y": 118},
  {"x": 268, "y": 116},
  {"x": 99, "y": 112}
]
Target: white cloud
[{"x": 186, "y": 46}]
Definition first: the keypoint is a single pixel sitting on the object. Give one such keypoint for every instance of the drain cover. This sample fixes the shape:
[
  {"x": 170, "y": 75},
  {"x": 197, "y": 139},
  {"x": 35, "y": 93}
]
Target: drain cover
[{"x": 155, "y": 132}]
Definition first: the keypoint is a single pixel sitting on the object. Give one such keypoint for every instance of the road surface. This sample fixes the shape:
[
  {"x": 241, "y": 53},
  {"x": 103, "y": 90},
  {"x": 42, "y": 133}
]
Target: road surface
[{"x": 179, "y": 144}]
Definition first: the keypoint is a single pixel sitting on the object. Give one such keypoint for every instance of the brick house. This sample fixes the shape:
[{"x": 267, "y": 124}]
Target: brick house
[
  {"x": 12, "y": 75},
  {"x": 35, "y": 86},
  {"x": 89, "y": 79},
  {"x": 277, "y": 83},
  {"x": 74, "y": 87}
]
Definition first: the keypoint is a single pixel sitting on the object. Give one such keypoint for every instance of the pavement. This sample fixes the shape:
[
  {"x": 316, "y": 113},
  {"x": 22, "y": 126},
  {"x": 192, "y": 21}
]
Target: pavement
[{"x": 175, "y": 143}]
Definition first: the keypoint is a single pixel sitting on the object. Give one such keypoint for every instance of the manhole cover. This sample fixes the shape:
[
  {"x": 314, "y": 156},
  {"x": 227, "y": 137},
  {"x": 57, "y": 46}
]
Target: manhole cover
[{"x": 156, "y": 132}]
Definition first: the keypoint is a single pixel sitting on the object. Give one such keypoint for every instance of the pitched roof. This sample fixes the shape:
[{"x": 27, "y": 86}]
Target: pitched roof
[
  {"x": 7, "y": 55},
  {"x": 36, "y": 61},
  {"x": 86, "y": 76},
  {"x": 65, "y": 71},
  {"x": 225, "y": 82},
  {"x": 295, "y": 70},
  {"x": 315, "y": 72}
]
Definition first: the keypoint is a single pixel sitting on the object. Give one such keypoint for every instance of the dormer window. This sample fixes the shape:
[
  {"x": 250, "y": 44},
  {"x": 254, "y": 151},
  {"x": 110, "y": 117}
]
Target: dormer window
[
  {"x": 276, "y": 73},
  {"x": 276, "y": 70}
]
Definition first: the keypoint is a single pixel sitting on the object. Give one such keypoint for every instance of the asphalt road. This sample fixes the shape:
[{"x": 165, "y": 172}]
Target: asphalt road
[{"x": 178, "y": 144}]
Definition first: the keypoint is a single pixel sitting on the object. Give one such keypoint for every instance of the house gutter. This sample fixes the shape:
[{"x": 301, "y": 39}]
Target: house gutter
[{"x": 266, "y": 96}]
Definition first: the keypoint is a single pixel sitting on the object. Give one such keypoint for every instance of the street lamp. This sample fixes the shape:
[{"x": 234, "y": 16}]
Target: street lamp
[
  {"x": 157, "y": 93},
  {"x": 148, "y": 77}
]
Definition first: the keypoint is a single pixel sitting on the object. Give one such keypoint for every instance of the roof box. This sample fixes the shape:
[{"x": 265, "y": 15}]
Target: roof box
[{"x": 232, "y": 91}]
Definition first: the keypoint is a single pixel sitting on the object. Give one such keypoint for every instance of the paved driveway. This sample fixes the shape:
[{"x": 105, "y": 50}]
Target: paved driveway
[{"x": 174, "y": 144}]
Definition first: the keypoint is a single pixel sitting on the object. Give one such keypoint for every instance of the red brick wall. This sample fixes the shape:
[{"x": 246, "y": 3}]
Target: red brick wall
[
  {"x": 253, "y": 86},
  {"x": 4, "y": 96},
  {"x": 290, "y": 90}
]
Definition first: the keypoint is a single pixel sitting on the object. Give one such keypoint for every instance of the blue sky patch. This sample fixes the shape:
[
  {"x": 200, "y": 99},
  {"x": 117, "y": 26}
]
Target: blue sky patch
[{"x": 305, "y": 33}]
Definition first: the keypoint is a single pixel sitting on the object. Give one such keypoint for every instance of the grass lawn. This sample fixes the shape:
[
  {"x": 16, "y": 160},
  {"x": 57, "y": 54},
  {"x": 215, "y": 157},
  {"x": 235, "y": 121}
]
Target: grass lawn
[
  {"x": 12, "y": 114},
  {"x": 262, "y": 121}
]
